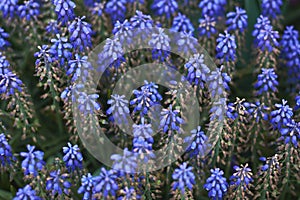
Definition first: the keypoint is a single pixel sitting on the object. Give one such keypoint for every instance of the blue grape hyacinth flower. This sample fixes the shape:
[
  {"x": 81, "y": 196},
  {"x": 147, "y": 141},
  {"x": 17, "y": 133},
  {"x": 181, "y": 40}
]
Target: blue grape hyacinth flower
[
  {"x": 164, "y": 7},
  {"x": 271, "y": 8},
  {"x": 4, "y": 65},
  {"x": 237, "y": 20},
  {"x": 33, "y": 161},
  {"x": 267, "y": 39},
  {"x": 6, "y": 155},
  {"x": 29, "y": 9},
  {"x": 207, "y": 26},
  {"x": 72, "y": 157},
  {"x": 197, "y": 70},
  {"x": 64, "y": 10},
  {"x": 183, "y": 178},
  {"x": 3, "y": 39},
  {"x": 43, "y": 55},
  {"x": 123, "y": 31},
  {"x": 261, "y": 23},
  {"x": 257, "y": 110},
  {"x": 181, "y": 23},
  {"x": 242, "y": 177},
  {"x": 87, "y": 186},
  {"x": 266, "y": 81},
  {"x": 212, "y": 8},
  {"x": 143, "y": 100},
  {"x": 198, "y": 142},
  {"x": 9, "y": 8},
  {"x": 57, "y": 183},
  {"x": 290, "y": 132},
  {"x": 143, "y": 130},
  {"x": 186, "y": 43},
  {"x": 170, "y": 119},
  {"x": 160, "y": 42},
  {"x": 26, "y": 193},
  {"x": 9, "y": 83},
  {"x": 79, "y": 68},
  {"x": 216, "y": 184},
  {"x": 61, "y": 49},
  {"x": 80, "y": 34},
  {"x": 282, "y": 115},
  {"x": 118, "y": 109},
  {"x": 106, "y": 183},
  {"x": 125, "y": 163},
  {"x": 88, "y": 103},
  {"x": 290, "y": 38},
  {"x": 116, "y": 9},
  {"x": 226, "y": 47}
]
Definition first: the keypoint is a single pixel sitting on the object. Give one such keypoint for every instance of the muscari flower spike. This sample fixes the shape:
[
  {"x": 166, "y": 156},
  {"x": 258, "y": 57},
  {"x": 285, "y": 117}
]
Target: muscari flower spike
[
  {"x": 87, "y": 103},
  {"x": 79, "y": 68},
  {"x": 270, "y": 162},
  {"x": 4, "y": 65},
  {"x": 218, "y": 82},
  {"x": 143, "y": 130},
  {"x": 6, "y": 155},
  {"x": 29, "y": 9},
  {"x": 64, "y": 10},
  {"x": 198, "y": 142},
  {"x": 181, "y": 23},
  {"x": 164, "y": 7},
  {"x": 3, "y": 39},
  {"x": 53, "y": 27},
  {"x": 60, "y": 49},
  {"x": 266, "y": 81},
  {"x": 143, "y": 100},
  {"x": 87, "y": 185},
  {"x": 257, "y": 110},
  {"x": 267, "y": 39},
  {"x": 33, "y": 161},
  {"x": 282, "y": 115},
  {"x": 9, "y": 8},
  {"x": 112, "y": 54},
  {"x": 160, "y": 43},
  {"x": 80, "y": 34},
  {"x": 105, "y": 182},
  {"x": 125, "y": 163},
  {"x": 118, "y": 109},
  {"x": 183, "y": 177},
  {"x": 226, "y": 47},
  {"x": 72, "y": 157},
  {"x": 26, "y": 193},
  {"x": 212, "y": 8},
  {"x": 116, "y": 9},
  {"x": 242, "y": 177},
  {"x": 289, "y": 39},
  {"x": 237, "y": 20},
  {"x": 290, "y": 133},
  {"x": 142, "y": 147},
  {"x": 197, "y": 70},
  {"x": 123, "y": 31},
  {"x": 186, "y": 43},
  {"x": 152, "y": 87},
  {"x": 261, "y": 23},
  {"x": 271, "y": 8},
  {"x": 207, "y": 26},
  {"x": 170, "y": 119},
  {"x": 9, "y": 83},
  {"x": 57, "y": 184},
  {"x": 97, "y": 8},
  {"x": 216, "y": 184}
]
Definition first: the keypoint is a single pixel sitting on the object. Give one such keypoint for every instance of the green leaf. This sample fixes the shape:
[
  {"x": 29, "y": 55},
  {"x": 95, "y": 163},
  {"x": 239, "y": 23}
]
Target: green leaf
[{"x": 5, "y": 195}]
